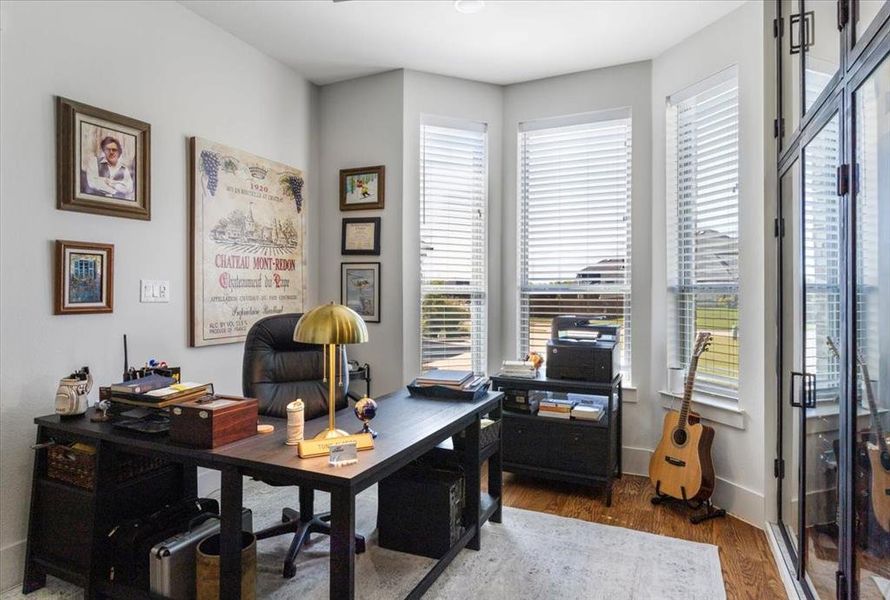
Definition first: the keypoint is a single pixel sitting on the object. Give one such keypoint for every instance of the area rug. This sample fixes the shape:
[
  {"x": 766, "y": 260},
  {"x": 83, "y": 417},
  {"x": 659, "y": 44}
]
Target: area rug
[{"x": 530, "y": 555}]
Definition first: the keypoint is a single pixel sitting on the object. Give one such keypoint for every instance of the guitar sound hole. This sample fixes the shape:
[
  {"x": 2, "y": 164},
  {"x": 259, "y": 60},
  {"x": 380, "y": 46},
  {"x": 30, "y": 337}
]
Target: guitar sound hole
[{"x": 679, "y": 436}]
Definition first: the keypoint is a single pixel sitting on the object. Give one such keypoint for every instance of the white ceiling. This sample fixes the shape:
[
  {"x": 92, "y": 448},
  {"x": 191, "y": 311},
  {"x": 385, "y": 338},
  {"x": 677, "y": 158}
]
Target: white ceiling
[{"x": 507, "y": 42}]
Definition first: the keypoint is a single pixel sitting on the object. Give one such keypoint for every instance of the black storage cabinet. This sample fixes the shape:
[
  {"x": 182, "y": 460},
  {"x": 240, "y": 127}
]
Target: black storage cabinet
[
  {"x": 568, "y": 450},
  {"x": 419, "y": 510}
]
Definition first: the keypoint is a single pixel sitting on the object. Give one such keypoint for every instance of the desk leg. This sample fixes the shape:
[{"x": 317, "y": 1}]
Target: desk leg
[
  {"x": 342, "y": 544},
  {"x": 496, "y": 472},
  {"x": 472, "y": 472},
  {"x": 230, "y": 536}
]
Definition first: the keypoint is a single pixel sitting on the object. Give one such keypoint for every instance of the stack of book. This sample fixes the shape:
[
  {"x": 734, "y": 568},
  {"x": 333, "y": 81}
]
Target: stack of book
[
  {"x": 156, "y": 391},
  {"x": 555, "y": 407},
  {"x": 519, "y": 368},
  {"x": 588, "y": 407},
  {"x": 455, "y": 380}
]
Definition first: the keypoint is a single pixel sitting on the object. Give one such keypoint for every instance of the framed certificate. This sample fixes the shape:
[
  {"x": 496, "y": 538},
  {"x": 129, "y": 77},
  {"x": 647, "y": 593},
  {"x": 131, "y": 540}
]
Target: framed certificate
[{"x": 361, "y": 236}]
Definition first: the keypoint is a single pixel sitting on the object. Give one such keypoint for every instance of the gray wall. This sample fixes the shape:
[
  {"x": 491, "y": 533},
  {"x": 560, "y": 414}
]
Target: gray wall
[
  {"x": 160, "y": 63},
  {"x": 361, "y": 125},
  {"x": 740, "y": 454},
  {"x": 435, "y": 95}
]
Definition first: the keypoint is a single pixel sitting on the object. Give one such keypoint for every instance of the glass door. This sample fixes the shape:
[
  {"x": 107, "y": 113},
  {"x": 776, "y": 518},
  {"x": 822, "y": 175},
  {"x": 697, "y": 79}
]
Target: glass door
[
  {"x": 811, "y": 325},
  {"x": 871, "y": 446}
]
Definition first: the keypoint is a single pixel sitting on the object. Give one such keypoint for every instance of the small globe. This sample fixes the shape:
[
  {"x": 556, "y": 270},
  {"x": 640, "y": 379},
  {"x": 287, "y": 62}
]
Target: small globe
[{"x": 365, "y": 409}]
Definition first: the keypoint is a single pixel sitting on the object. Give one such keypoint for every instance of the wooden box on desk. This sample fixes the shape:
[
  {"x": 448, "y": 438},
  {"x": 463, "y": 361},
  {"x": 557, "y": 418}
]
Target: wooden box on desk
[{"x": 213, "y": 421}]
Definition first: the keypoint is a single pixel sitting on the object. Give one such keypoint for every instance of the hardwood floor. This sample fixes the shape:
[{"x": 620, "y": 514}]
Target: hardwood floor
[{"x": 748, "y": 567}]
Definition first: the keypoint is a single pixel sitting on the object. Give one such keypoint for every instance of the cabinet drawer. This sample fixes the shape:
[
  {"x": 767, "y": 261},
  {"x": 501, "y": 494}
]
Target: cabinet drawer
[
  {"x": 579, "y": 448},
  {"x": 525, "y": 441}
]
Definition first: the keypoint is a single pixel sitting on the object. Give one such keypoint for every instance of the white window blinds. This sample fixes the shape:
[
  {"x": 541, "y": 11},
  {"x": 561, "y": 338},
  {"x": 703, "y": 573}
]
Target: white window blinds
[
  {"x": 703, "y": 228},
  {"x": 575, "y": 226},
  {"x": 453, "y": 239}
]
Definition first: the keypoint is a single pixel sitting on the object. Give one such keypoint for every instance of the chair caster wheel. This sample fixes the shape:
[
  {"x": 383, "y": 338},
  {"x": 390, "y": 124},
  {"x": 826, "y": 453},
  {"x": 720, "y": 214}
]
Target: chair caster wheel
[{"x": 289, "y": 571}]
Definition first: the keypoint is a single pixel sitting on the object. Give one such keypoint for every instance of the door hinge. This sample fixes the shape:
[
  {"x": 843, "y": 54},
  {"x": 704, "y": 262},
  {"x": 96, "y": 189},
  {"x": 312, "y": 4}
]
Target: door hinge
[
  {"x": 777, "y": 27},
  {"x": 778, "y": 127},
  {"x": 843, "y": 13},
  {"x": 841, "y": 585},
  {"x": 779, "y": 227},
  {"x": 843, "y": 176},
  {"x": 779, "y": 468}
]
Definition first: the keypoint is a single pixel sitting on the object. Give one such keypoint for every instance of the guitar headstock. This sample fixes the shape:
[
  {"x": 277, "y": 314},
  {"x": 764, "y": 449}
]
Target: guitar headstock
[{"x": 702, "y": 343}]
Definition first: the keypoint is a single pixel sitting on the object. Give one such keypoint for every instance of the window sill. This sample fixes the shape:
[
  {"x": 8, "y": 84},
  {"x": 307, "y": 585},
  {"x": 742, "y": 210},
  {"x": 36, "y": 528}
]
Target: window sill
[
  {"x": 717, "y": 409},
  {"x": 824, "y": 418},
  {"x": 628, "y": 394}
]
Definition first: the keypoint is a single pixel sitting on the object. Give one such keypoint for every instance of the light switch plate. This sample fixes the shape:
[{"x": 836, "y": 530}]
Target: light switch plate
[{"x": 154, "y": 290}]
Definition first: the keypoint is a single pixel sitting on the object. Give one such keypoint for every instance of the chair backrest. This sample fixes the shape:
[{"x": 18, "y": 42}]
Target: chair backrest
[{"x": 277, "y": 370}]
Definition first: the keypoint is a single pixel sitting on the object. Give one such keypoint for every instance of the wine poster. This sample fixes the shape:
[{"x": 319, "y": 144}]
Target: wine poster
[{"x": 248, "y": 229}]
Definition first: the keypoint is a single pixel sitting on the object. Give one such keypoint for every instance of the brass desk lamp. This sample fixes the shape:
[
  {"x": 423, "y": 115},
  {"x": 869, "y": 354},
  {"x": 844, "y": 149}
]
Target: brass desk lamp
[{"x": 331, "y": 325}]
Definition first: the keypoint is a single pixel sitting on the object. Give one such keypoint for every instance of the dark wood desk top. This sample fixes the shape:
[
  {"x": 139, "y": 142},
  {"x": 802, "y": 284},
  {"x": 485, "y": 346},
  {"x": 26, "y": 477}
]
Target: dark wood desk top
[{"x": 407, "y": 427}]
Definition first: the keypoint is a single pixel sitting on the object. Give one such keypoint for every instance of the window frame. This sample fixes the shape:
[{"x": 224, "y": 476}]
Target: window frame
[
  {"x": 478, "y": 364},
  {"x": 523, "y": 288},
  {"x": 681, "y": 274}
]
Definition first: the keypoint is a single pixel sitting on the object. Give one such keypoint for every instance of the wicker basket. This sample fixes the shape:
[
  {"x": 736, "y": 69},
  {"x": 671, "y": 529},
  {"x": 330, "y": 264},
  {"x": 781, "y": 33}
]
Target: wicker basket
[
  {"x": 72, "y": 464},
  {"x": 76, "y": 464},
  {"x": 489, "y": 433}
]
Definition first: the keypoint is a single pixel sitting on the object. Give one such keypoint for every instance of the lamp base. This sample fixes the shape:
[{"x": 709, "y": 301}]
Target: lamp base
[{"x": 328, "y": 434}]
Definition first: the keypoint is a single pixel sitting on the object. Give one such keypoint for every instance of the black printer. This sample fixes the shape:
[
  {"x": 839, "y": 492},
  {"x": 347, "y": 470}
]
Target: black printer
[{"x": 582, "y": 348}]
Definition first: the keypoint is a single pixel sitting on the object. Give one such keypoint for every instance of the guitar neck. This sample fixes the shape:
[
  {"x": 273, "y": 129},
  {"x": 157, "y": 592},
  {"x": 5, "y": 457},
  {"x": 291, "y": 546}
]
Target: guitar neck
[
  {"x": 873, "y": 405},
  {"x": 687, "y": 391}
]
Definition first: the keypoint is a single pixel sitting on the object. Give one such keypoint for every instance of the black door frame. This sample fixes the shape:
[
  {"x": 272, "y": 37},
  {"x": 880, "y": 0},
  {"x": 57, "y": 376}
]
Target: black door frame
[{"x": 857, "y": 62}]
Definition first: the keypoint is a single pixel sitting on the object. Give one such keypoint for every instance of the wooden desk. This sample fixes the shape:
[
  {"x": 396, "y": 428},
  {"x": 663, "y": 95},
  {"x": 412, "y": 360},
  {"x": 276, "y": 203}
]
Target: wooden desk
[{"x": 408, "y": 427}]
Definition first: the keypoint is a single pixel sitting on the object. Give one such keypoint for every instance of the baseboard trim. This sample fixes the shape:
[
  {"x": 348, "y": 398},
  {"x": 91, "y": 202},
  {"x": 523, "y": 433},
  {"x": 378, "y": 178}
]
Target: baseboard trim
[
  {"x": 742, "y": 503},
  {"x": 783, "y": 562},
  {"x": 12, "y": 565}
]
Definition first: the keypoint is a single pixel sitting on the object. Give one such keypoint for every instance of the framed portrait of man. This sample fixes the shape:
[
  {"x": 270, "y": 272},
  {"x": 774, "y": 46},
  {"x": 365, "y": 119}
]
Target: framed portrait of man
[{"x": 102, "y": 162}]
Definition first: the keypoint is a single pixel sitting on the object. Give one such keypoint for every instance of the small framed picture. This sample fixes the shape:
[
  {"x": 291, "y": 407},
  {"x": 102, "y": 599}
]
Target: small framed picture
[
  {"x": 360, "y": 289},
  {"x": 84, "y": 278},
  {"x": 102, "y": 162},
  {"x": 361, "y": 236},
  {"x": 362, "y": 188}
]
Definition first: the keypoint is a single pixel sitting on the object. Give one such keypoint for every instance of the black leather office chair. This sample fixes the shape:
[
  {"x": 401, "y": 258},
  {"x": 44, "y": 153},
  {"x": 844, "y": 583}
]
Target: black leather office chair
[{"x": 276, "y": 371}]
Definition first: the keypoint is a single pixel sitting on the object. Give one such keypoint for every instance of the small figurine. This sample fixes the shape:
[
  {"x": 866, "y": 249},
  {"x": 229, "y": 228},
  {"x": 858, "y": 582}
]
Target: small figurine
[
  {"x": 365, "y": 410},
  {"x": 103, "y": 405}
]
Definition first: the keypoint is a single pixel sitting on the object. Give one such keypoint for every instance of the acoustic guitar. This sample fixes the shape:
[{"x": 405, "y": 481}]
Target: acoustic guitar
[
  {"x": 878, "y": 454},
  {"x": 681, "y": 466}
]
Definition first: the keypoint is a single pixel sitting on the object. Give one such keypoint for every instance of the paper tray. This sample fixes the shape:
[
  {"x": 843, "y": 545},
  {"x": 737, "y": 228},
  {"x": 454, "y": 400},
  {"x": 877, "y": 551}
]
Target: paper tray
[{"x": 439, "y": 392}]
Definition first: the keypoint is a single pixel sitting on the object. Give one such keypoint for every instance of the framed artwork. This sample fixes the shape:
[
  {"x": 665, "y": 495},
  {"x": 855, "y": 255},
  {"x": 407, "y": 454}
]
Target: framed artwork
[
  {"x": 362, "y": 188},
  {"x": 360, "y": 289},
  {"x": 361, "y": 236},
  {"x": 84, "y": 278},
  {"x": 247, "y": 231},
  {"x": 102, "y": 162}
]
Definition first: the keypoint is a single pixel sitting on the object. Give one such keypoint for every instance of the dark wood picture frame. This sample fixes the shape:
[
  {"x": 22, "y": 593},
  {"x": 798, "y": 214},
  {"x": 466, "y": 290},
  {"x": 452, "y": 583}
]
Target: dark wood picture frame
[
  {"x": 375, "y": 251},
  {"x": 61, "y": 275},
  {"x": 344, "y": 267},
  {"x": 68, "y": 163},
  {"x": 379, "y": 171}
]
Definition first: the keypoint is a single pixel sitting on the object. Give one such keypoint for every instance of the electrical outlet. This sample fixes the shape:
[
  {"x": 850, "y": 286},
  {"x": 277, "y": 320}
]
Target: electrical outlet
[{"x": 153, "y": 290}]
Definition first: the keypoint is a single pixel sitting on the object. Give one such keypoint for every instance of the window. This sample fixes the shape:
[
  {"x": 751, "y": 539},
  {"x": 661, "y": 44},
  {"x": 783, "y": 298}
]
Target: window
[
  {"x": 702, "y": 174},
  {"x": 575, "y": 229},
  {"x": 453, "y": 239}
]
